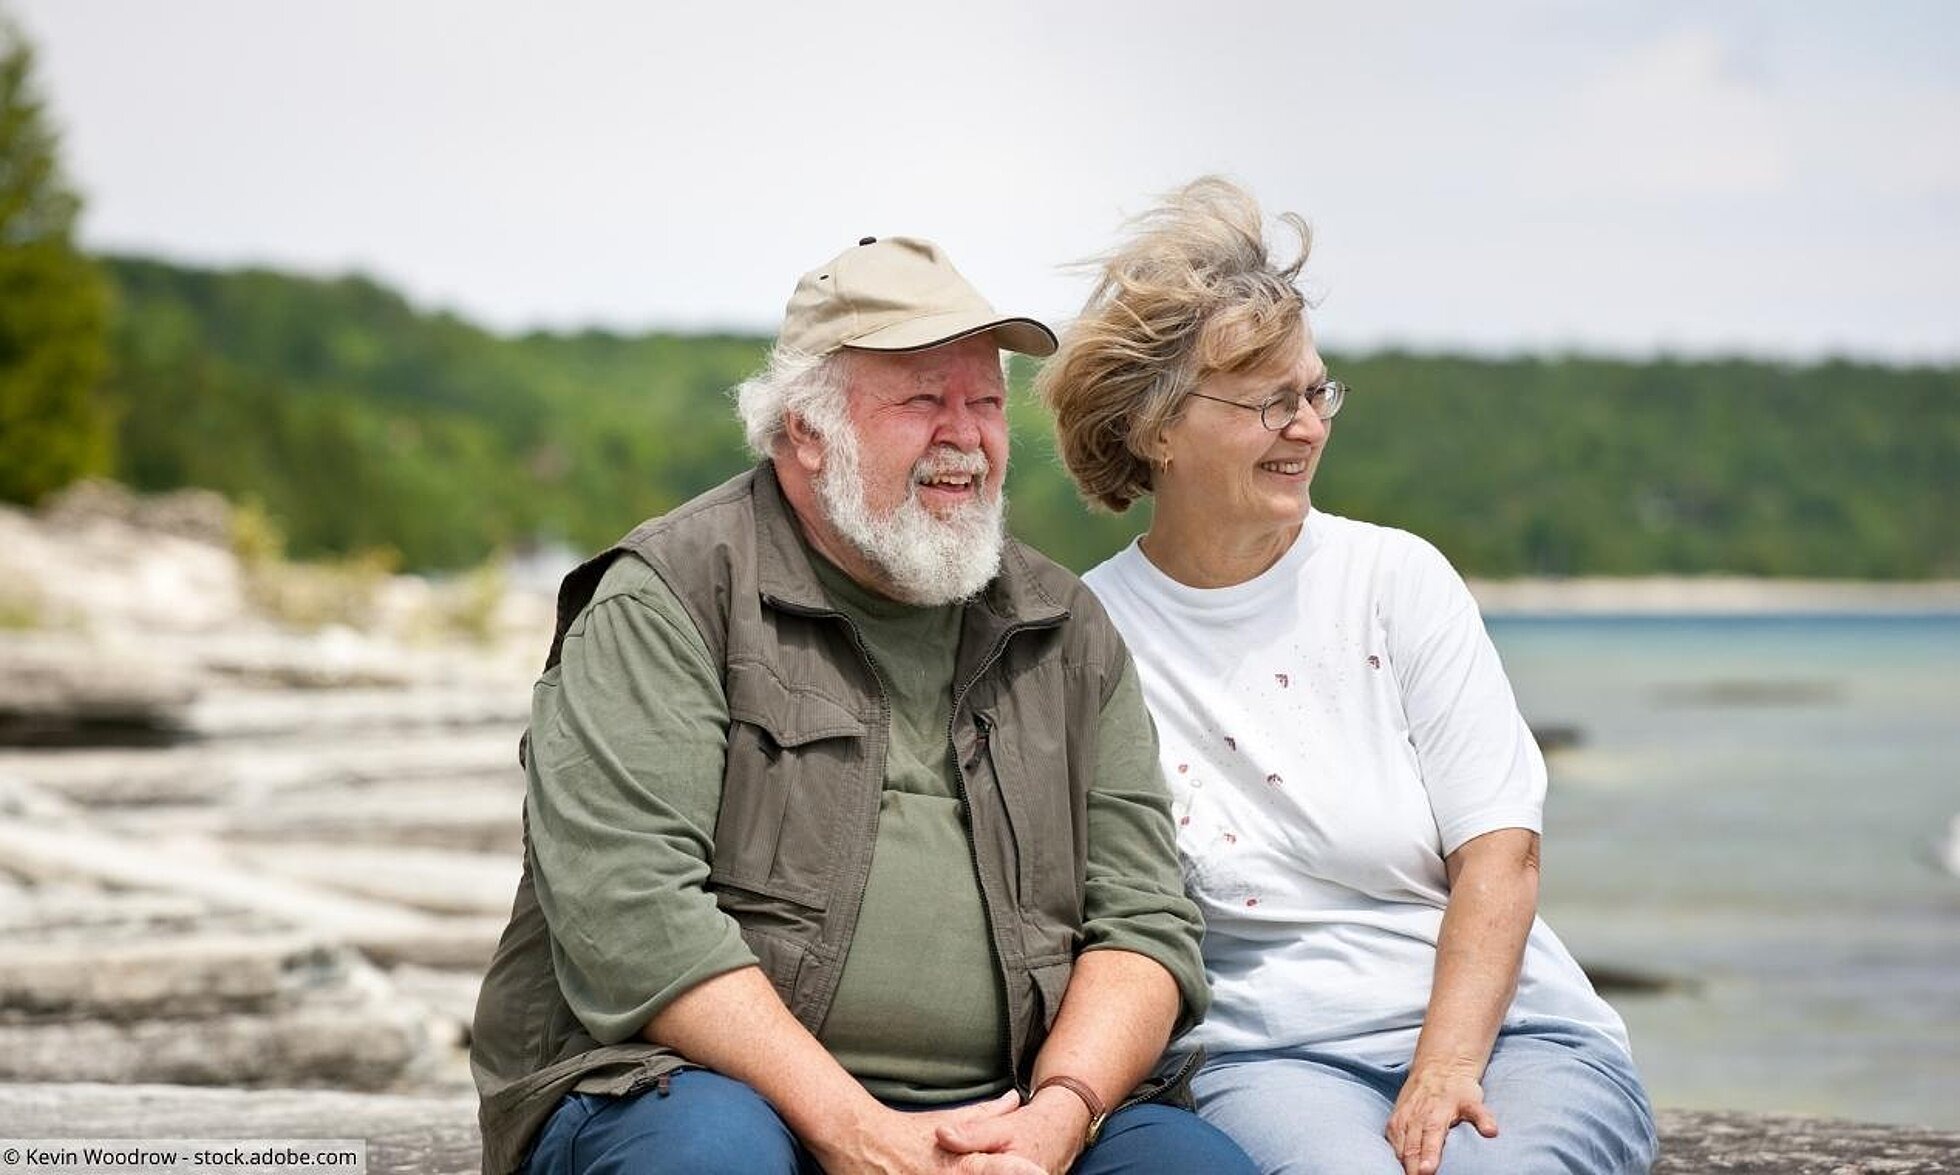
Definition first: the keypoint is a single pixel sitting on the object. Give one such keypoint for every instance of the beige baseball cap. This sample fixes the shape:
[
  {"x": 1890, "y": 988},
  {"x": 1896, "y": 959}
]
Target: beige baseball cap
[{"x": 897, "y": 294}]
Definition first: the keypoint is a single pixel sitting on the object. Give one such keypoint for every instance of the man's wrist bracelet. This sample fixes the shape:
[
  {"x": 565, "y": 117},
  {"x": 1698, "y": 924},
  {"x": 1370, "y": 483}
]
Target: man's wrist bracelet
[{"x": 1097, "y": 1114}]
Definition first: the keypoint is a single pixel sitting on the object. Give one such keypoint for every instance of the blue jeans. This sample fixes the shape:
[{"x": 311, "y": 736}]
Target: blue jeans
[
  {"x": 1567, "y": 1102},
  {"x": 707, "y": 1124}
]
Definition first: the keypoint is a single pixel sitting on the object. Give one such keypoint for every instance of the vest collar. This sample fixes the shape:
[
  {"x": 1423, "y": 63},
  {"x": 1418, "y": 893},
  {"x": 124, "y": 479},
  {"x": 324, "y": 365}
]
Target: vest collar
[{"x": 784, "y": 574}]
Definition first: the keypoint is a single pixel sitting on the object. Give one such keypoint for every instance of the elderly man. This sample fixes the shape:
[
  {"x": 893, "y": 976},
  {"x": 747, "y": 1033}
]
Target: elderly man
[{"x": 844, "y": 825}]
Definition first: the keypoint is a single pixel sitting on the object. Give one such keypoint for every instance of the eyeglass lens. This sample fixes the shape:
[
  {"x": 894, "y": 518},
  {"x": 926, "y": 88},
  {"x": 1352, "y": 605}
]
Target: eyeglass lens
[{"x": 1280, "y": 411}]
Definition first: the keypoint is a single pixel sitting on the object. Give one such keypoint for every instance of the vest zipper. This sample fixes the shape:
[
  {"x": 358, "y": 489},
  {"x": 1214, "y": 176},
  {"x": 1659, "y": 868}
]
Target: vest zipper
[
  {"x": 1150, "y": 1091},
  {"x": 864, "y": 883},
  {"x": 973, "y": 848}
]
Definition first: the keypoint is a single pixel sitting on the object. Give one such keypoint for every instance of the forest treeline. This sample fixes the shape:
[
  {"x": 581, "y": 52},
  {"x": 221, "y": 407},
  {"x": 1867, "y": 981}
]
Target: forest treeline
[{"x": 359, "y": 422}]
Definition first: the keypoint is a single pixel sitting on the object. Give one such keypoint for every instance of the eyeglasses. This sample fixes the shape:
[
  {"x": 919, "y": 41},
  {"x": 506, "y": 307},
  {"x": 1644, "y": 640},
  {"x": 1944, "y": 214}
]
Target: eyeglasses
[{"x": 1281, "y": 409}]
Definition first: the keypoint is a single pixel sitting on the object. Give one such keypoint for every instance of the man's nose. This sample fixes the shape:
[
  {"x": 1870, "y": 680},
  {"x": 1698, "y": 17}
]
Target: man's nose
[{"x": 958, "y": 425}]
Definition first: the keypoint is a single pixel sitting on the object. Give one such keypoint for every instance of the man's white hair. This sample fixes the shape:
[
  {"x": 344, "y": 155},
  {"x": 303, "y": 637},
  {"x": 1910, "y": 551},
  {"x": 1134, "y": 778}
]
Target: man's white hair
[{"x": 792, "y": 382}]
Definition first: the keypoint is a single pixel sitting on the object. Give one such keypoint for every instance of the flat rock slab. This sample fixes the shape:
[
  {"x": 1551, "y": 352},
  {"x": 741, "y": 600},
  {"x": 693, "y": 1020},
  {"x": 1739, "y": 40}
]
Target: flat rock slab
[
  {"x": 370, "y": 1046},
  {"x": 437, "y": 1135},
  {"x": 386, "y": 931},
  {"x": 1698, "y": 1141},
  {"x": 434, "y": 881},
  {"x": 425, "y": 1135},
  {"x": 266, "y": 1010},
  {"x": 249, "y": 771},
  {"x": 71, "y": 692},
  {"x": 164, "y": 977},
  {"x": 366, "y": 712}
]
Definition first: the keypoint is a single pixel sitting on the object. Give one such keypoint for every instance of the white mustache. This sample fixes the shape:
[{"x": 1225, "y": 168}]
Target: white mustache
[{"x": 944, "y": 461}]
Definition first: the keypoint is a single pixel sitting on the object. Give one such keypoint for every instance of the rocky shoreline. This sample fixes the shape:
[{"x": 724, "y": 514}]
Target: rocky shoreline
[{"x": 235, "y": 852}]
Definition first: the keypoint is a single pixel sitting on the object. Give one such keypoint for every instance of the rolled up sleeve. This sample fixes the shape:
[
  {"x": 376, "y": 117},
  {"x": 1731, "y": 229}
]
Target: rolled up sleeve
[
  {"x": 1134, "y": 896},
  {"x": 628, "y": 738}
]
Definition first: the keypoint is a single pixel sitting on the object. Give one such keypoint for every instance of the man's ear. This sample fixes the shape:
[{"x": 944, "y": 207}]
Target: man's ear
[{"x": 805, "y": 445}]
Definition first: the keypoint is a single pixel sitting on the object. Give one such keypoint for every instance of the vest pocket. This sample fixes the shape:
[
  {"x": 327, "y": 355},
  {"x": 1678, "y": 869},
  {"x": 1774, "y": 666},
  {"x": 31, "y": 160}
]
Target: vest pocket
[
  {"x": 1051, "y": 983},
  {"x": 793, "y": 757},
  {"x": 781, "y": 959},
  {"x": 1034, "y": 1000},
  {"x": 1033, "y": 783}
]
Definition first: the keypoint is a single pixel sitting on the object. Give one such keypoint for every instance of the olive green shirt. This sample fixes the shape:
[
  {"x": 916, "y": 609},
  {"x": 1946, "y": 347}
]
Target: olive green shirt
[{"x": 625, "y": 774}]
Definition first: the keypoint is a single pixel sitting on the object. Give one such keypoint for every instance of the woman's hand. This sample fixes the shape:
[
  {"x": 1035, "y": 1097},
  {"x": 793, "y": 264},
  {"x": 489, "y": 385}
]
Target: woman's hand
[
  {"x": 1493, "y": 898},
  {"x": 1434, "y": 1099}
]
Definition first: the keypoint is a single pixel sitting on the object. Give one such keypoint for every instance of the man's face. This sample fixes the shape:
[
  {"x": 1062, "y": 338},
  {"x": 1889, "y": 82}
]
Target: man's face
[
  {"x": 912, "y": 479},
  {"x": 913, "y": 410}
]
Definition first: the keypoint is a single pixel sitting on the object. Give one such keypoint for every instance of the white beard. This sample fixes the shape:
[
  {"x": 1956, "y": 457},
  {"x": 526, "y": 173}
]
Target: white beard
[{"x": 927, "y": 560}]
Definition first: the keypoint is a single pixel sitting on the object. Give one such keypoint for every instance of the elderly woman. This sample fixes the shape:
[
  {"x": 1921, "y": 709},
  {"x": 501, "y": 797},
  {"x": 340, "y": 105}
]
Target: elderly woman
[{"x": 1358, "y": 801}]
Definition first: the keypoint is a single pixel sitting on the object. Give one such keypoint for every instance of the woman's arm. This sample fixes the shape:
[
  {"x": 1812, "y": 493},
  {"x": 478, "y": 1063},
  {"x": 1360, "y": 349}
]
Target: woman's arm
[{"x": 1493, "y": 899}]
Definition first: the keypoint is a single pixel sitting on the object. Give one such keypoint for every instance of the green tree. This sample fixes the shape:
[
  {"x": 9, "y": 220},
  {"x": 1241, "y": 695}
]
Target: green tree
[{"x": 54, "y": 427}]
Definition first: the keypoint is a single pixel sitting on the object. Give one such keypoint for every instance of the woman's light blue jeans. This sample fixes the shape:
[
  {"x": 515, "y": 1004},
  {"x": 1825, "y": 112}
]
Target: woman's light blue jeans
[{"x": 1567, "y": 1102}]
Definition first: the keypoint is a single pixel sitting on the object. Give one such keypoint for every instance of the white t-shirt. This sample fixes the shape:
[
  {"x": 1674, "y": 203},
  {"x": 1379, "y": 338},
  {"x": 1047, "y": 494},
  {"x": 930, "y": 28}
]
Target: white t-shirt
[{"x": 1331, "y": 730}]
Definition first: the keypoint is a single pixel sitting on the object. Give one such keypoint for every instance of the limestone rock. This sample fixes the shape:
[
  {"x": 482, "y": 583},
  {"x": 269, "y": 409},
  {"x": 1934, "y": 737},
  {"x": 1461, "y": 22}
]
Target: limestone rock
[
  {"x": 251, "y": 771},
  {"x": 363, "y": 712},
  {"x": 103, "y": 575},
  {"x": 243, "y": 1012},
  {"x": 464, "y": 816},
  {"x": 1701, "y": 1142},
  {"x": 356, "y": 1047},
  {"x": 46, "y": 853},
  {"x": 67, "y": 691},
  {"x": 437, "y": 881},
  {"x": 200, "y": 515},
  {"x": 163, "y": 977},
  {"x": 86, "y": 912},
  {"x": 419, "y": 1135},
  {"x": 450, "y": 996}
]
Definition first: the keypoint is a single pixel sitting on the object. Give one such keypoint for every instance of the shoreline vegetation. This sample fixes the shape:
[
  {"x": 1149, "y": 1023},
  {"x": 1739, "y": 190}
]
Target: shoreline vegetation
[{"x": 357, "y": 423}]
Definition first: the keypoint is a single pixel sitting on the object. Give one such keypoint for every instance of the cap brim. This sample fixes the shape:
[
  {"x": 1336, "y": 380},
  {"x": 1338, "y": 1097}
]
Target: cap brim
[{"x": 1025, "y": 336}]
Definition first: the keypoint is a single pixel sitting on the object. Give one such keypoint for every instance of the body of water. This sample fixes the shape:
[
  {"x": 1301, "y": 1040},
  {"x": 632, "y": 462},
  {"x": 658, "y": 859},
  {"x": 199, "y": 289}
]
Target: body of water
[{"x": 1753, "y": 812}]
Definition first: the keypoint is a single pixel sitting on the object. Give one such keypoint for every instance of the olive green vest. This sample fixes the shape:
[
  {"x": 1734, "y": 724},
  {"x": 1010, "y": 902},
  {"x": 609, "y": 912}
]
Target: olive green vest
[{"x": 1038, "y": 659}]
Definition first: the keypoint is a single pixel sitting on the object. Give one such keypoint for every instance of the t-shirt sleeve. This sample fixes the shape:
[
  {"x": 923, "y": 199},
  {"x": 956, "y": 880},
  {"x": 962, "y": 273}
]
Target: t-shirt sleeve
[
  {"x": 628, "y": 737},
  {"x": 1479, "y": 761},
  {"x": 1134, "y": 894}
]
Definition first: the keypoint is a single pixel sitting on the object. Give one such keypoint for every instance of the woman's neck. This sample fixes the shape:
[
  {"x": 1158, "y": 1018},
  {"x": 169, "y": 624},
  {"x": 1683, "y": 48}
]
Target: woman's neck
[{"x": 1209, "y": 556}]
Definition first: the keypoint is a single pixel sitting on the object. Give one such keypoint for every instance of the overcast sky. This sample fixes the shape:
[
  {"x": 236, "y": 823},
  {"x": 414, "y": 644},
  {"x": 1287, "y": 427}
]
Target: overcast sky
[{"x": 1771, "y": 178}]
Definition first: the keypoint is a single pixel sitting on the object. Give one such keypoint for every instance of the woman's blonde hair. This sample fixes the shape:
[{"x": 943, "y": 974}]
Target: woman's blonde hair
[{"x": 1194, "y": 291}]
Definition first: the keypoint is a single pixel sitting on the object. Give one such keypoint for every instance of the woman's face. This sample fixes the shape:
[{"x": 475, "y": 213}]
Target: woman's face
[{"x": 1227, "y": 468}]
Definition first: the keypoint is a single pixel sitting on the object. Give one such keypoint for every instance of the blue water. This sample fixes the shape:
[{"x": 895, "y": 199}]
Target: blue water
[{"x": 1752, "y": 812}]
